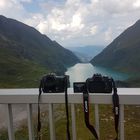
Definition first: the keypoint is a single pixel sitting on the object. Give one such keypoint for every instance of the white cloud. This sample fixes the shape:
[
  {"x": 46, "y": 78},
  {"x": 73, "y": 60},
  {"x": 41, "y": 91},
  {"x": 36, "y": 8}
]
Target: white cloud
[
  {"x": 63, "y": 22},
  {"x": 136, "y": 4},
  {"x": 43, "y": 27},
  {"x": 74, "y": 22},
  {"x": 58, "y": 26},
  {"x": 73, "y": 2},
  {"x": 94, "y": 29},
  {"x": 28, "y": 1},
  {"x": 2, "y": 4},
  {"x": 6, "y": 4},
  {"x": 34, "y": 19},
  {"x": 108, "y": 35},
  {"x": 12, "y": 9},
  {"x": 115, "y": 6}
]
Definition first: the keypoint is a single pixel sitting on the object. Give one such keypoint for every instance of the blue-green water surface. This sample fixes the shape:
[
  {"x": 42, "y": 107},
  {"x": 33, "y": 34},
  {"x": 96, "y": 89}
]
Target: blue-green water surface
[{"x": 81, "y": 71}]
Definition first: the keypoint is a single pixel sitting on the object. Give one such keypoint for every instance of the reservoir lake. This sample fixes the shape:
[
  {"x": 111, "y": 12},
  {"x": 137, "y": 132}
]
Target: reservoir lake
[{"x": 81, "y": 71}]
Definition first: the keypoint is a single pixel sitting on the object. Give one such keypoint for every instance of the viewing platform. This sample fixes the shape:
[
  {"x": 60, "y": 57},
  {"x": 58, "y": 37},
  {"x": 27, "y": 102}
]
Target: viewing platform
[{"x": 127, "y": 96}]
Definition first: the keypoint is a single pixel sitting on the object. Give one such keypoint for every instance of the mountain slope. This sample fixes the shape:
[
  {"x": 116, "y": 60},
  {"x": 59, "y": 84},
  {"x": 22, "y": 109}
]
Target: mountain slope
[
  {"x": 123, "y": 53},
  {"x": 24, "y": 51}
]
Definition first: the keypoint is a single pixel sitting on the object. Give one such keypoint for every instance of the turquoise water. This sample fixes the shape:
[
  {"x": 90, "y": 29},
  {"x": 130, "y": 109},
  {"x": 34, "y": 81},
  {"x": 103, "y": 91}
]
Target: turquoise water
[{"x": 81, "y": 71}]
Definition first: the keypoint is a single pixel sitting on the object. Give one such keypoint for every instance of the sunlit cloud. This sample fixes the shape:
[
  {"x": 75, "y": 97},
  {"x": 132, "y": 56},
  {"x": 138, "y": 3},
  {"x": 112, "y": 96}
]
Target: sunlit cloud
[{"x": 136, "y": 4}]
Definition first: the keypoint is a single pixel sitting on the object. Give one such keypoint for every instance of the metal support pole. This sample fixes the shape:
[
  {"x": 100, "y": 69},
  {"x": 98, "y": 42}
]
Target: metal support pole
[
  {"x": 121, "y": 122},
  {"x": 97, "y": 119},
  {"x": 30, "y": 123},
  {"x": 73, "y": 122},
  {"x": 10, "y": 122},
  {"x": 51, "y": 122}
]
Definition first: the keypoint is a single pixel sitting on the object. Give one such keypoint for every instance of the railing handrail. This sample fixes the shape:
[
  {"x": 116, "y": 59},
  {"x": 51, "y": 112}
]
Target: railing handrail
[
  {"x": 127, "y": 96},
  {"x": 30, "y": 96}
]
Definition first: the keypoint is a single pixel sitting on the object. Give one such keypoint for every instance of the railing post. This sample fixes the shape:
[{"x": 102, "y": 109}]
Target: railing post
[
  {"x": 30, "y": 122},
  {"x": 10, "y": 122},
  {"x": 73, "y": 122},
  {"x": 51, "y": 122},
  {"x": 97, "y": 119},
  {"x": 121, "y": 122}
]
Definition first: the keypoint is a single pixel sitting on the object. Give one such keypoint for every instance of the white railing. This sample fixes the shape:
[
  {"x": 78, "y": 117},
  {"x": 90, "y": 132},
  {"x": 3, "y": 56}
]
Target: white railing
[{"x": 128, "y": 96}]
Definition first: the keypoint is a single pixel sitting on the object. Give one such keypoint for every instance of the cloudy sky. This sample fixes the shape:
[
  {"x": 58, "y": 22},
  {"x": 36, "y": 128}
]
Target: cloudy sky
[{"x": 75, "y": 22}]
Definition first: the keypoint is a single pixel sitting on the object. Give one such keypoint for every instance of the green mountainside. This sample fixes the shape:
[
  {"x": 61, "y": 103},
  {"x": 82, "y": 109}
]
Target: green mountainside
[
  {"x": 123, "y": 53},
  {"x": 26, "y": 54}
]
